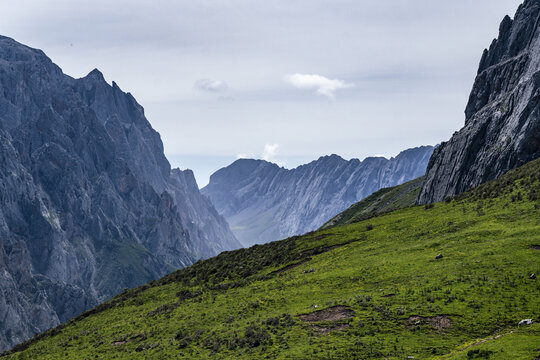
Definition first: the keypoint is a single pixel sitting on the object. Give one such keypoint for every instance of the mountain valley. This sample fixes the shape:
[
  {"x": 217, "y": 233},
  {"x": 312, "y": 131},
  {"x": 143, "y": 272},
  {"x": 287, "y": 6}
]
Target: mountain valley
[{"x": 264, "y": 202}]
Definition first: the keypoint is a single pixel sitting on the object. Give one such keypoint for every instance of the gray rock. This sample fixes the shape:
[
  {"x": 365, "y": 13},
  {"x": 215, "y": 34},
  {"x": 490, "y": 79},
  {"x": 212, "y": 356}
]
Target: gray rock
[
  {"x": 89, "y": 203},
  {"x": 502, "y": 127},
  {"x": 263, "y": 202}
]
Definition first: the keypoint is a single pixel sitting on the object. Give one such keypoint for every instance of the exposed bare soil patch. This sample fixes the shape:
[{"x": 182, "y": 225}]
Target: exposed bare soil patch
[
  {"x": 439, "y": 322},
  {"x": 327, "y": 320},
  {"x": 535, "y": 247},
  {"x": 334, "y": 313},
  {"x": 129, "y": 339}
]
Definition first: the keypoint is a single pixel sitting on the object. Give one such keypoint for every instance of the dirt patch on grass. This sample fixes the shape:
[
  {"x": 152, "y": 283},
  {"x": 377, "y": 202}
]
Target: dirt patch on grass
[
  {"x": 439, "y": 322},
  {"x": 128, "y": 339},
  {"x": 535, "y": 247},
  {"x": 328, "y": 320},
  {"x": 335, "y": 313}
]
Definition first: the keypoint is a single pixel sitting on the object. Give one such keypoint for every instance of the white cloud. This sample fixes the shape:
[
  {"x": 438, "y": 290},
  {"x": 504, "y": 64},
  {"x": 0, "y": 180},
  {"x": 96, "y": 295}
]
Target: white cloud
[
  {"x": 323, "y": 85},
  {"x": 211, "y": 85},
  {"x": 270, "y": 152}
]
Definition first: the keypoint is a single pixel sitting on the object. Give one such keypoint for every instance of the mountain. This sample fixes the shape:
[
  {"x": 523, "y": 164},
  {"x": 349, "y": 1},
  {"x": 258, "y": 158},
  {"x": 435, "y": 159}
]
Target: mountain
[
  {"x": 264, "y": 202},
  {"x": 89, "y": 203},
  {"x": 502, "y": 127},
  {"x": 382, "y": 201},
  {"x": 449, "y": 281}
]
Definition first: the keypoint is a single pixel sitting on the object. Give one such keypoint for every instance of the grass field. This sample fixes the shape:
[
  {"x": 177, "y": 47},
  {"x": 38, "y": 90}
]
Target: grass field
[{"x": 371, "y": 289}]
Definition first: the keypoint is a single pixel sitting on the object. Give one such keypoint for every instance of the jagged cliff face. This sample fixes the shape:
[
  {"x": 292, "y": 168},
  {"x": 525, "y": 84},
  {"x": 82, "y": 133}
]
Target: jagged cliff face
[
  {"x": 502, "y": 128},
  {"x": 89, "y": 204},
  {"x": 264, "y": 202}
]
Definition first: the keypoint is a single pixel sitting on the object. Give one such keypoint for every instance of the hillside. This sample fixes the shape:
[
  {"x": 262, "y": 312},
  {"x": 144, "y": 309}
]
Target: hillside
[
  {"x": 384, "y": 200},
  {"x": 264, "y": 202},
  {"x": 372, "y": 289}
]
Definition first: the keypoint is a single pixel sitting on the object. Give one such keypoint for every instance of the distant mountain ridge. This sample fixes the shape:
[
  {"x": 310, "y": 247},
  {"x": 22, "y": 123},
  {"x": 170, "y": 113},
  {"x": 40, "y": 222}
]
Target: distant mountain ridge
[
  {"x": 264, "y": 202},
  {"x": 502, "y": 127},
  {"x": 380, "y": 202},
  {"x": 89, "y": 204}
]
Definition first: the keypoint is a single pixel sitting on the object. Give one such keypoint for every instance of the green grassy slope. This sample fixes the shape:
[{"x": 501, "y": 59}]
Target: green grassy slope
[
  {"x": 382, "y": 201},
  {"x": 371, "y": 289}
]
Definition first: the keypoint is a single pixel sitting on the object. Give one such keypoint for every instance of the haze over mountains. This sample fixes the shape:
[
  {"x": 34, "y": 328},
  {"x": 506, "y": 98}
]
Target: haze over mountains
[
  {"x": 264, "y": 202},
  {"x": 89, "y": 203}
]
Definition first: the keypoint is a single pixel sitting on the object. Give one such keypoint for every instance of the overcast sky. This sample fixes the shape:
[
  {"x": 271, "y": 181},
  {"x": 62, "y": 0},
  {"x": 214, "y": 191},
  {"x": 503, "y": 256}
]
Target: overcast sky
[{"x": 283, "y": 80}]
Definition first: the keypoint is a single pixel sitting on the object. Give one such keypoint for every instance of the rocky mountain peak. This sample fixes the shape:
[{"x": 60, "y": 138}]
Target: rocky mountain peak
[
  {"x": 241, "y": 169},
  {"x": 502, "y": 127},
  {"x": 514, "y": 45},
  {"x": 88, "y": 202},
  {"x": 95, "y": 75},
  {"x": 330, "y": 158}
]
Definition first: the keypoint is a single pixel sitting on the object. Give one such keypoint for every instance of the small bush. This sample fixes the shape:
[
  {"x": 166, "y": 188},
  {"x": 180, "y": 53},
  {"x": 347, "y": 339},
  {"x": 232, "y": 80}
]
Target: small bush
[
  {"x": 479, "y": 354},
  {"x": 256, "y": 336}
]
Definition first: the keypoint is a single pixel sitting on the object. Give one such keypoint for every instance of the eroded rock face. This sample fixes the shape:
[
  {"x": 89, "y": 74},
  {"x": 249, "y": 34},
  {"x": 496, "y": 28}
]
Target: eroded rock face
[
  {"x": 263, "y": 202},
  {"x": 502, "y": 127},
  {"x": 89, "y": 203}
]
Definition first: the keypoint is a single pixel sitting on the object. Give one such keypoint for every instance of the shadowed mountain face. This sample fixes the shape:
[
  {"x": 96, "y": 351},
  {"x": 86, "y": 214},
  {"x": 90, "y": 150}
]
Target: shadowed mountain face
[
  {"x": 264, "y": 202},
  {"x": 502, "y": 127},
  {"x": 89, "y": 203}
]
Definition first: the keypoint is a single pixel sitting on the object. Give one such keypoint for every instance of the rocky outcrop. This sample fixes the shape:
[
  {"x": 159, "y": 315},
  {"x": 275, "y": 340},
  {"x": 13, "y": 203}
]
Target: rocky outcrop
[
  {"x": 89, "y": 203},
  {"x": 264, "y": 202},
  {"x": 502, "y": 127}
]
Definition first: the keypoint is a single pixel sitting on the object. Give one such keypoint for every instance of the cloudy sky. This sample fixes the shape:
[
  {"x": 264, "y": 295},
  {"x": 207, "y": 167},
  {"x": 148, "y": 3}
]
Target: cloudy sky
[{"x": 283, "y": 80}]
